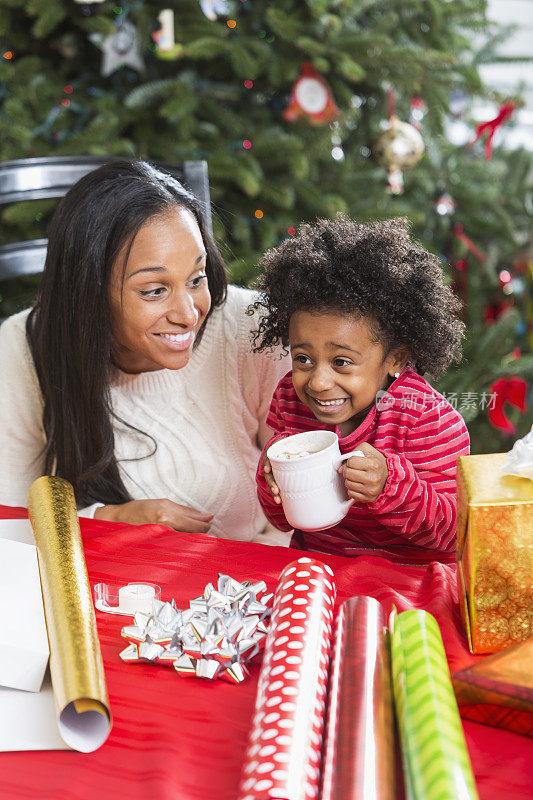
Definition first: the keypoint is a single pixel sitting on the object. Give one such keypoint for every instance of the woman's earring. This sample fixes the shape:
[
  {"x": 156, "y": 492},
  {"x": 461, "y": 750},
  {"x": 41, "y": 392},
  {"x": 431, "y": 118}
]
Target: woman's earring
[{"x": 396, "y": 374}]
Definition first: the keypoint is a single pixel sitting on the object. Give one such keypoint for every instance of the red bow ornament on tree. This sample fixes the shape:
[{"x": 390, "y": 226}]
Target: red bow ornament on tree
[
  {"x": 506, "y": 390},
  {"x": 460, "y": 234},
  {"x": 492, "y": 125}
]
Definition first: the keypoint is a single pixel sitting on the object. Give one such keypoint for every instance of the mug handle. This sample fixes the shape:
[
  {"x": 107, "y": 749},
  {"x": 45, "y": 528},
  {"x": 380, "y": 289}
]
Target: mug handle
[{"x": 352, "y": 453}]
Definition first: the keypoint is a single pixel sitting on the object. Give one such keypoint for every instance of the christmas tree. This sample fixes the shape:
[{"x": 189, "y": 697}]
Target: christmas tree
[{"x": 287, "y": 102}]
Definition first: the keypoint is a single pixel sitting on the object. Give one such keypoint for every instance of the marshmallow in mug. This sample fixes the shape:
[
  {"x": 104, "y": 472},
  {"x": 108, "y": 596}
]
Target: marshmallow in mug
[{"x": 292, "y": 454}]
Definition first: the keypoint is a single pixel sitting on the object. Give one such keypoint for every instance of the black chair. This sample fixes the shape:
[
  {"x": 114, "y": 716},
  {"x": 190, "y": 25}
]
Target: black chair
[{"x": 43, "y": 178}]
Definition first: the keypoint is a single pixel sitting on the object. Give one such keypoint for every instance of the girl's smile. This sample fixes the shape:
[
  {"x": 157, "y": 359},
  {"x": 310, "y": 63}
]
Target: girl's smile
[{"x": 338, "y": 366}]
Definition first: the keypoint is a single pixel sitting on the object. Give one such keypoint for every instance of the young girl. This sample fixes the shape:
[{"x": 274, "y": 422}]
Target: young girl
[{"x": 366, "y": 313}]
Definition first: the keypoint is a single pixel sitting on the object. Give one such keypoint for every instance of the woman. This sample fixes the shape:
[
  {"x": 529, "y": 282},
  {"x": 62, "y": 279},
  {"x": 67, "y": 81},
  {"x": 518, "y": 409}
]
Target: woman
[{"x": 133, "y": 376}]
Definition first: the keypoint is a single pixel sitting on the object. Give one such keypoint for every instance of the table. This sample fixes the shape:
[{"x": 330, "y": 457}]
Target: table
[{"x": 181, "y": 739}]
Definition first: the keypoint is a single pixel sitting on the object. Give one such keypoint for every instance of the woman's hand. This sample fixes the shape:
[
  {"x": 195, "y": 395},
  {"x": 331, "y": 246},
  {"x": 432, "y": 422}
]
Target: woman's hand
[
  {"x": 157, "y": 512},
  {"x": 365, "y": 477}
]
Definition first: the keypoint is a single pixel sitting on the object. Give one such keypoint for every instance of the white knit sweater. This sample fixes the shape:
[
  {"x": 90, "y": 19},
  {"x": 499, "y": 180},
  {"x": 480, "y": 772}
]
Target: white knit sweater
[{"x": 208, "y": 420}]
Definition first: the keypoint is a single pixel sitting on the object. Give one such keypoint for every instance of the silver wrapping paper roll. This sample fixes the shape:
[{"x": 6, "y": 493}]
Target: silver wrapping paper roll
[{"x": 359, "y": 760}]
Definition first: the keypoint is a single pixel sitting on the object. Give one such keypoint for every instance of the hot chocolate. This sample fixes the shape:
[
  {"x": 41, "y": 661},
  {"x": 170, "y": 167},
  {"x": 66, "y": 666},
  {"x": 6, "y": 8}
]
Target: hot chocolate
[{"x": 291, "y": 455}]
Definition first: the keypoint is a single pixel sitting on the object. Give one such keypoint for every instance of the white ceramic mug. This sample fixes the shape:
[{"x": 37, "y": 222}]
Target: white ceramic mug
[{"x": 312, "y": 492}]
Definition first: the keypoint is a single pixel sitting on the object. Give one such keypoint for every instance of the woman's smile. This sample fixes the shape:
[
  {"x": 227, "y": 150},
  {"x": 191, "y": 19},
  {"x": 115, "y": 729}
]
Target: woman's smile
[{"x": 176, "y": 341}]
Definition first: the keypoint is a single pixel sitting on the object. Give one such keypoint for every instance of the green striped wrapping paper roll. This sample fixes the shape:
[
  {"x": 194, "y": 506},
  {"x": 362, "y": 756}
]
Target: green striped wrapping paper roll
[{"x": 435, "y": 758}]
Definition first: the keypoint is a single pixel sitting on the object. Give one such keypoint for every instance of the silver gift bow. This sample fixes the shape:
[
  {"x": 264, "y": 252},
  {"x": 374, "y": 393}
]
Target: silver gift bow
[{"x": 222, "y": 630}]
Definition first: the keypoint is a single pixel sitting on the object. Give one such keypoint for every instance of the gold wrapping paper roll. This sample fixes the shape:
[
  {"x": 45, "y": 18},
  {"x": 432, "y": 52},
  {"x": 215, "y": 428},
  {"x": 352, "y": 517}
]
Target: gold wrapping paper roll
[{"x": 76, "y": 666}]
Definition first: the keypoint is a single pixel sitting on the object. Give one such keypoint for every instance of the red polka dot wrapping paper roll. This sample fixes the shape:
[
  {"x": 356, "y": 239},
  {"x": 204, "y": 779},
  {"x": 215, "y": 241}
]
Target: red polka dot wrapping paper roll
[
  {"x": 285, "y": 747},
  {"x": 359, "y": 753}
]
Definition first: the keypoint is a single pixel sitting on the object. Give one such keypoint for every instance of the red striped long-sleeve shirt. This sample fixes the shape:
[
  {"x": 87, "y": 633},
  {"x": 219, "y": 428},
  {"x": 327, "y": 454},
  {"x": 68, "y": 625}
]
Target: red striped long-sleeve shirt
[{"x": 421, "y": 435}]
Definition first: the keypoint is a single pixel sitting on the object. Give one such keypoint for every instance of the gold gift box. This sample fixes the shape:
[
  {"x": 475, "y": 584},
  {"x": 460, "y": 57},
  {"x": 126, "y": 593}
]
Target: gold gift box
[{"x": 494, "y": 553}]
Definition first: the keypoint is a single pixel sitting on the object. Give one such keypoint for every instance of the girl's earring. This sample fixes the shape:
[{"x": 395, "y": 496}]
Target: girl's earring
[{"x": 396, "y": 374}]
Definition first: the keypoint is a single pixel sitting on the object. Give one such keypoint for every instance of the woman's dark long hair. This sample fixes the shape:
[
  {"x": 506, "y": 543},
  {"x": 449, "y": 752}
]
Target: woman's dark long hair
[{"x": 69, "y": 329}]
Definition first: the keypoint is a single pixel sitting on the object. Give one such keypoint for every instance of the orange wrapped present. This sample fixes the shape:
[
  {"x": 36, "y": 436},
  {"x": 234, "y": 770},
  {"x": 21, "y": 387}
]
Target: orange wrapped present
[
  {"x": 494, "y": 553},
  {"x": 498, "y": 691}
]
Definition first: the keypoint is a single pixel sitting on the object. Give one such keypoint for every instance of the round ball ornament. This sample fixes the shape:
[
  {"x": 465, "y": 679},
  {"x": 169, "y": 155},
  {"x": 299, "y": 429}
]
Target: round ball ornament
[
  {"x": 399, "y": 147},
  {"x": 444, "y": 205},
  {"x": 311, "y": 97}
]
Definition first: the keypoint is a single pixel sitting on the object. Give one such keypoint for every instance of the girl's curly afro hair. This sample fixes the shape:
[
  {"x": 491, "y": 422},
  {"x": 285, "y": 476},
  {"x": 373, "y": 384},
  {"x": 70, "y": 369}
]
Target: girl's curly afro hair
[{"x": 373, "y": 271}]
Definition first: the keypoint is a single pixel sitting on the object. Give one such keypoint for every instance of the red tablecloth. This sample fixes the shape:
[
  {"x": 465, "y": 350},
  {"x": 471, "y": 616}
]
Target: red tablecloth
[{"x": 182, "y": 739}]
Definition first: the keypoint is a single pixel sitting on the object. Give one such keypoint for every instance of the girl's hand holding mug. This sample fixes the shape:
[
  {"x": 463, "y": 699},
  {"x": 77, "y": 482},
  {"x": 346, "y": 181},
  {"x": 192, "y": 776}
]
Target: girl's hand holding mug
[
  {"x": 365, "y": 477},
  {"x": 269, "y": 478}
]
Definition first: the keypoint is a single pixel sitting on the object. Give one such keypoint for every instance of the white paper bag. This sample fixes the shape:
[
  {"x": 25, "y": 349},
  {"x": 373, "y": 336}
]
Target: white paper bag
[{"x": 23, "y": 639}]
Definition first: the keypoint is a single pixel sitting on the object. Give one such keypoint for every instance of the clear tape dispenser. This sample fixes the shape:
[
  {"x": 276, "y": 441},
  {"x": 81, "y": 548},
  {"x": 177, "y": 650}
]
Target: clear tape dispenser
[{"x": 126, "y": 599}]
